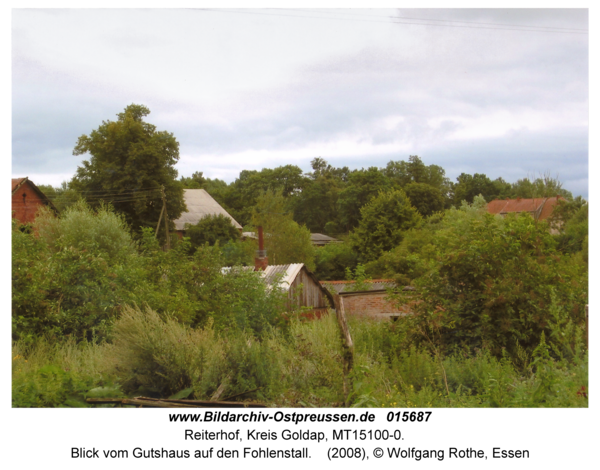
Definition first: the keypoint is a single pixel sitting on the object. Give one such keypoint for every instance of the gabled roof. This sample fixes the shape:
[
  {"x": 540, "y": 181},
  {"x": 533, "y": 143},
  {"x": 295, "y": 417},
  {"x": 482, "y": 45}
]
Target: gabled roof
[
  {"x": 284, "y": 273},
  {"x": 17, "y": 183},
  {"x": 200, "y": 204},
  {"x": 541, "y": 207},
  {"x": 320, "y": 239}
]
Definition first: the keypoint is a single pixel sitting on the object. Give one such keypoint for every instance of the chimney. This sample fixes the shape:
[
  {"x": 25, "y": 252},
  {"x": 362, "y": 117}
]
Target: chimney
[{"x": 261, "y": 261}]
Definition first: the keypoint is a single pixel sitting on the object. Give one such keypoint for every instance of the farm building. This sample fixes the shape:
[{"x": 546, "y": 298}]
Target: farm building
[
  {"x": 304, "y": 290},
  {"x": 540, "y": 208},
  {"x": 199, "y": 204},
  {"x": 27, "y": 199},
  {"x": 369, "y": 302}
]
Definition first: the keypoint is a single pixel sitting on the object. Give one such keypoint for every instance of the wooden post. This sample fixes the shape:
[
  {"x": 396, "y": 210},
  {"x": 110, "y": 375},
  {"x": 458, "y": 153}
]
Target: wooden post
[
  {"x": 159, "y": 219},
  {"x": 164, "y": 198},
  {"x": 347, "y": 346}
]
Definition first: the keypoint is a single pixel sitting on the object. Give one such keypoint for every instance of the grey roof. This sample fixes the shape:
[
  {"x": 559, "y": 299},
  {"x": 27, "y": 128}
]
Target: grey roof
[
  {"x": 321, "y": 239},
  {"x": 200, "y": 204}
]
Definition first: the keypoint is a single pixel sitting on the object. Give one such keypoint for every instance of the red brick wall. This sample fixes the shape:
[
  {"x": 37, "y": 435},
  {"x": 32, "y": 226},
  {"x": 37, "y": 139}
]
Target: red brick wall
[
  {"x": 25, "y": 208},
  {"x": 372, "y": 305}
]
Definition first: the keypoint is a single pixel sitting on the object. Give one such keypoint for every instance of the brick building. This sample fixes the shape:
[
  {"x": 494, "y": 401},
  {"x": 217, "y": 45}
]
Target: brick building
[
  {"x": 371, "y": 302},
  {"x": 27, "y": 199}
]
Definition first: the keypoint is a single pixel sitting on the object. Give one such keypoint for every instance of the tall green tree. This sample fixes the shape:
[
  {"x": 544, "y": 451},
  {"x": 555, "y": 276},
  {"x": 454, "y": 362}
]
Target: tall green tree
[
  {"x": 130, "y": 164},
  {"x": 403, "y": 173},
  {"x": 363, "y": 185},
  {"x": 470, "y": 186},
  {"x": 425, "y": 198},
  {"x": 383, "y": 223},
  {"x": 285, "y": 240}
]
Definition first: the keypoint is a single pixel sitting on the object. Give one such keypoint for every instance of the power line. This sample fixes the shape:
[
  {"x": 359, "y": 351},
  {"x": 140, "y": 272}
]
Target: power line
[{"x": 483, "y": 25}]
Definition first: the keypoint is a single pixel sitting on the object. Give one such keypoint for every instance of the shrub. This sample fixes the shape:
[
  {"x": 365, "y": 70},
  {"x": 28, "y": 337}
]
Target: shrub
[
  {"x": 333, "y": 259},
  {"x": 102, "y": 233},
  {"x": 494, "y": 283},
  {"x": 212, "y": 229}
]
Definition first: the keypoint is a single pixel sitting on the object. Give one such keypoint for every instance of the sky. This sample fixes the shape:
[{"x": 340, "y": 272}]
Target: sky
[{"x": 496, "y": 91}]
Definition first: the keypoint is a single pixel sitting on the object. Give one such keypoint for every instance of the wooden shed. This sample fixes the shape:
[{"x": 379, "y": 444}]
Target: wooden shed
[{"x": 304, "y": 290}]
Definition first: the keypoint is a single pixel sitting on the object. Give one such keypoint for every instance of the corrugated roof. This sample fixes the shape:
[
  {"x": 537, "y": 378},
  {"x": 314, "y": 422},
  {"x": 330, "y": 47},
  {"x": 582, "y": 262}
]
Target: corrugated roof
[
  {"x": 284, "y": 273},
  {"x": 200, "y": 204},
  {"x": 543, "y": 206}
]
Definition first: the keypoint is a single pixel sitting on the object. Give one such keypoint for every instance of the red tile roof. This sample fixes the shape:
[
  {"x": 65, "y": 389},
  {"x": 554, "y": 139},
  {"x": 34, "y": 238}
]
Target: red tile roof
[{"x": 540, "y": 206}]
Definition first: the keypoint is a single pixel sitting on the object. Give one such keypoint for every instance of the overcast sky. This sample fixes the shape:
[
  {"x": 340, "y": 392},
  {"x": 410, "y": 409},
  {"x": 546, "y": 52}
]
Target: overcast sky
[{"x": 500, "y": 92}]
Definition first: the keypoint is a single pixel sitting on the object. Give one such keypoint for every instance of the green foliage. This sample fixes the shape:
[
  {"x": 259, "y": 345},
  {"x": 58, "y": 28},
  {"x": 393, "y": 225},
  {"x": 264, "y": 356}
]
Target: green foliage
[
  {"x": 494, "y": 283},
  {"x": 62, "y": 196},
  {"x": 333, "y": 259},
  {"x": 244, "y": 192},
  {"x": 543, "y": 186},
  {"x": 130, "y": 162},
  {"x": 362, "y": 187},
  {"x": 317, "y": 205},
  {"x": 160, "y": 357},
  {"x": 64, "y": 283},
  {"x": 212, "y": 229},
  {"x": 411, "y": 259},
  {"x": 285, "y": 241},
  {"x": 60, "y": 373},
  {"x": 383, "y": 223},
  {"x": 239, "y": 252},
  {"x": 570, "y": 219},
  {"x": 360, "y": 278},
  {"x": 425, "y": 198},
  {"x": 100, "y": 232},
  {"x": 404, "y": 173},
  {"x": 469, "y": 186}
]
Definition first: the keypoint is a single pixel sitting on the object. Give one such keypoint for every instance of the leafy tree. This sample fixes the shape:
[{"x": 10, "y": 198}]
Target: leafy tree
[
  {"x": 333, "y": 259},
  {"x": 317, "y": 205},
  {"x": 285, "y": 241},
  {"x": 239, "y": 252},
  {"x": 130, "y": 162},
  {"x": 425, "y": 198},
  {"x": 570, "y": 219},
  {"x": 543, "y": 186},
  {"x": 469, "y": 186},
  {"x": 244, "y": 191},
  {"x": 383, "y": 223},
  {"x": 62, "y": 196},
  {"x": 363, "y": 185},
  {"x": 415, "y": 171},
  {"x": 212, "y": 229}
]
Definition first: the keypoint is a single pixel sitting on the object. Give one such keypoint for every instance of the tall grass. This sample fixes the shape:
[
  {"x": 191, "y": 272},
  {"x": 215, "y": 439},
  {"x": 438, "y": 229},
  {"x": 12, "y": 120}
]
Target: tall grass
[{"x": 300, "y": 366}]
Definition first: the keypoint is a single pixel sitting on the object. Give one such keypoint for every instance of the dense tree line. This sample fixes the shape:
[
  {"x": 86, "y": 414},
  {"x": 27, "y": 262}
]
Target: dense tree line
[{"x": 488, "y": 292}]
